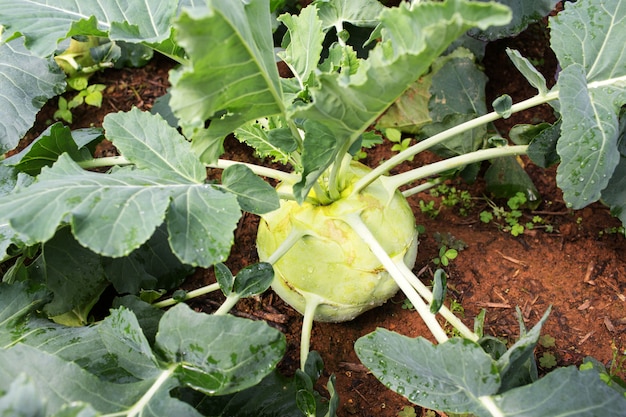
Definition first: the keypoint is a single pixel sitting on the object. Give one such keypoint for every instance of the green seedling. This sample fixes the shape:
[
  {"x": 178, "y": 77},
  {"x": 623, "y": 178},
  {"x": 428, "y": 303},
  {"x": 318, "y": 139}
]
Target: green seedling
[{"x": 510, "y": 220}]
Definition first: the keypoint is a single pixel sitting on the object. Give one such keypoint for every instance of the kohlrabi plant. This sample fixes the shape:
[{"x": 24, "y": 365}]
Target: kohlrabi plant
[{"x": 336, "y": 237}]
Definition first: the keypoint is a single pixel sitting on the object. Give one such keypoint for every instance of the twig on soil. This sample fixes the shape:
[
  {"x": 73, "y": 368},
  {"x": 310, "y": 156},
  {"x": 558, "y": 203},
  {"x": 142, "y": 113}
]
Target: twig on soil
[
  {"x": 494, "y": 305},
  {"x": 584, "y": 338},
  {"x": 510, "y": 259},
  {"x": 590, "y": 267},
  {"x": 354, "y": 367},
  {"x": 585, "y": 305}
]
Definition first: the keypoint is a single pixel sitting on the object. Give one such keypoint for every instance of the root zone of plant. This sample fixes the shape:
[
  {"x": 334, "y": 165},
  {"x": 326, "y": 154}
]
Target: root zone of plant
[{"x": 579, "y": 269}]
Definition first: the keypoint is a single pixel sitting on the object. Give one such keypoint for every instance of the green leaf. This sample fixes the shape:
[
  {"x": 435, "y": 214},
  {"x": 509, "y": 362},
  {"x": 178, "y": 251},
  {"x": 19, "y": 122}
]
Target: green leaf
[
  {"x": 542, "y": 149},
  {"x": 26, "y": 82},
  {"x": 524, "y": 13},
  {"x": 111, "y": 366},
  {"x": 305, "y": 34},
  {"x": 589, "y": 53},
  {"x": 615, "y": 192},
  {"x": 44, "y": 24},
  {"x": 528, "y": 70},
  {"x": 253, "y": 279},
  {"x": 412, "y": 38},
  {"x": 502, "y": 105},
  {"x": 439, "y": 290},
  {"x": 231, "y": 76},
  {"x": 589, "y": 132},
  {"x": 153, "y": 145},
  {"x": 152, "y": 266},
  {"x": 73, "y": 273},
  {"x": 113, "y": 214},
  {"x": 17, "y": 302},
  {"x": 224, "y": 278},
  {"x": 60, "y": 381},
  {"x": 457, "y": 95},
  {"x": 449, "y": 376},
  {"x": 200, "y": 223},
  {"x": 228, "y": 355},
  {"x": 253, "y": 194},
  {"x": 123, "y": 210},
  {"x": 410, "y": 111},
  {"x": 318, "y": 153},
  {"x": 273, "y": 141},
  {"x": 124, "y": 340},
  {"x": 517, "y": 365},
  {"x": 46, "y": 149},
  {"x": 505, "y": 177},
  {"x": 563, "y": 392},
  {"x": 356, "y": 12},
  {"x": 21, "y": 399}
]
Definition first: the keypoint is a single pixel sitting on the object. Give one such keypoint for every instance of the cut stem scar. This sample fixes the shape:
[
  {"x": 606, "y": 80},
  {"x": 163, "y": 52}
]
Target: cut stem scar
[{"x": 354, "y": 220}]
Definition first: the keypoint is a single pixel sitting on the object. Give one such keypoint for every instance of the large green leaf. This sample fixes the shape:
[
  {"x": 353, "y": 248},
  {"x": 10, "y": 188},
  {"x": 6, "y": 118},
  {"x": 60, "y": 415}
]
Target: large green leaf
[
  {"x": 587, "y": 38},
  {"x": 44, "y": 24},
  {"x": 615, "y": 193},
  {"x": 72, "y": 272},
  {"x": 17, "y": 302},
  {"x": 412, "y": 38},
  {"x": 54, "y": 141},
  {"x": 450, "y": 376},
  {"x": 524, "y": 13},
  {"x": 232, "y": 76},
  {"x": 26, "y": 82},
  {"x": 21, "y": 399},
  {"x": 113, "y": 214},
  {"x": 254, "y": 195},
  {"x": 61, "y": 382},
  {"x": 305, "y": 36},
  {"x": 227, "y": 355},
  {"x": 111, "y": 366},
  {"x": 357, "y": 12},
  {"x": 152, "y": 266},
  {"x": 563, "y": 392}
]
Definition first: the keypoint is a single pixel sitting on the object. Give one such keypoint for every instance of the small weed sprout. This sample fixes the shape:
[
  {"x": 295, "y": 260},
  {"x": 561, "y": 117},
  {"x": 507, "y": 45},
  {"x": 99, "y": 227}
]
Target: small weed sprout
[{"x": 509, "y": 220}]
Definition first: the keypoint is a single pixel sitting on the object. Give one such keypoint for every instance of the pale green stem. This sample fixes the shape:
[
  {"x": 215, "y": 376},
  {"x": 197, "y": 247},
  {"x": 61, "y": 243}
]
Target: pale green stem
[
  {"x": 296, "y": 133},
  {"x": 220, "y": 164},
  {"x": 227, "y": 305},
  {"x": 445, "y": 135},
  {"x": 104, "y": 162},
  {"x": 339, "y": 29},
  {"x": 428, "y": 296},
  {"x": 422, "y": 187},
  {"x": 140, "y": 405},
  {"x": 398, "y": 180},
  {"x": 336, "y": 171},
  {"x": 259, "y": 170},
  {"x": 354, "y": 220},
  {"x": 312, "y": 302},
  {"x": 491, "y": 406},
  {"x": 191, "y": 294}
]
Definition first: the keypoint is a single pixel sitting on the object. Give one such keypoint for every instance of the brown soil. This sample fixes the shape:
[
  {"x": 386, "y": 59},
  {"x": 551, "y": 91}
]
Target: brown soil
[{"x": 578, "y": 269}]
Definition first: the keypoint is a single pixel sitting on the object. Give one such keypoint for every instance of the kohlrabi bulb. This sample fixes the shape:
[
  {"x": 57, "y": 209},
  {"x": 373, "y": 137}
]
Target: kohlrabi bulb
[{"x": 330, "y": 261}]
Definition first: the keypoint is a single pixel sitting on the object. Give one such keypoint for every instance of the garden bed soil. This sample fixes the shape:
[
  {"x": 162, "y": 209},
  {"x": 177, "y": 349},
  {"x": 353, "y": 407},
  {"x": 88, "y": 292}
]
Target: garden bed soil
[{"x": 579, "y": 269}]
